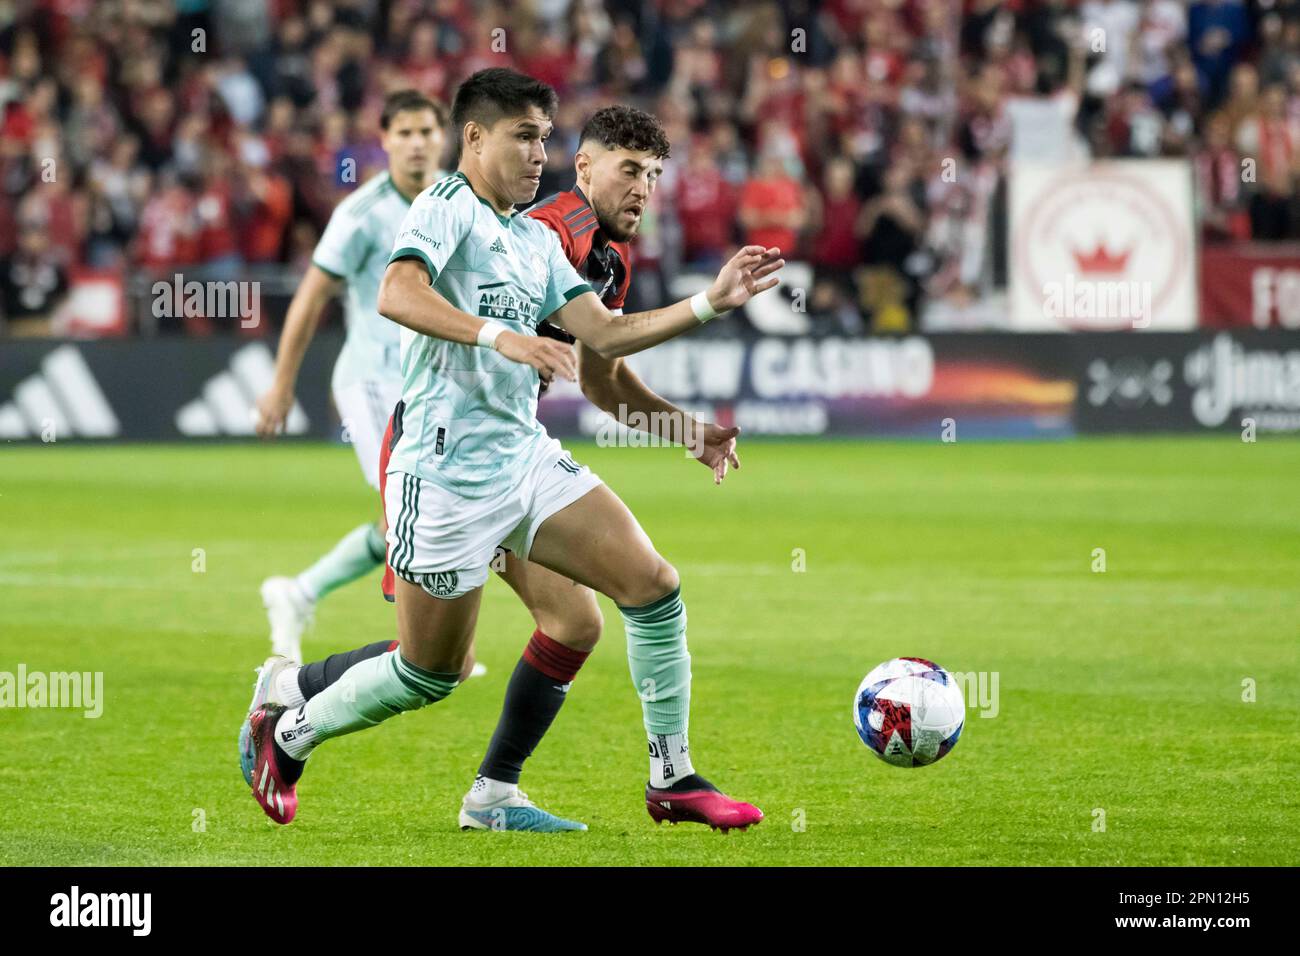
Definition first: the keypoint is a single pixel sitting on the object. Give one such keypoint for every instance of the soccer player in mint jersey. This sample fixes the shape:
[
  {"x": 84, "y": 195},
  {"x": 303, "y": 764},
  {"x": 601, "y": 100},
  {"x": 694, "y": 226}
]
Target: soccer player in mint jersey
[
  {"x": 471, "y": 467},
  {"x": 619, "y": 160},
  {"x": 367, "y": 376}
]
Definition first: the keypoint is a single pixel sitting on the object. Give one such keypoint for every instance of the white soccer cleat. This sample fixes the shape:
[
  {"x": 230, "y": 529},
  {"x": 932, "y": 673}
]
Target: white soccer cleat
[
  {"x": 289, "y": 612},
  {"x": 264, "y": 686},
  {"x": 478, "y": 670}
]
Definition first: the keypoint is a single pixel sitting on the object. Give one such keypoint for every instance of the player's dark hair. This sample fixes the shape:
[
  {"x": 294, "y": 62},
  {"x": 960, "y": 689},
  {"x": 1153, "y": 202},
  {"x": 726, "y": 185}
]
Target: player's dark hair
[
  {"x": 491, "y": 94},
  {"x": 405, "y": 100},
  {"x": 625, "y": 127}
]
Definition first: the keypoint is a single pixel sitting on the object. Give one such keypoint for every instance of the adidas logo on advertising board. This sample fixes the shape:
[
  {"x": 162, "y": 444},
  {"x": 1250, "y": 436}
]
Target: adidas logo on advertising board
[
  {"x": 226, "y": 404},
  {"x": 61, "y": 399}
]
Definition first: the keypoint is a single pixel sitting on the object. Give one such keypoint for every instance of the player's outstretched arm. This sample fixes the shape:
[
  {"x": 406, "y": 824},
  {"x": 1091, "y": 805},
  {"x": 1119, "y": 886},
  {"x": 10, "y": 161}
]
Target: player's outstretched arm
[
  {"x": 407, "y": 298},
  {"x": 748, "y": 273},
  {"x": 612, "y": 386},
  {"x": 300, "y": 323}
]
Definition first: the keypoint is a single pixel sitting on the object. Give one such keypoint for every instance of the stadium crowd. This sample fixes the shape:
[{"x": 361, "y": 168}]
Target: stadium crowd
[{"x": 868, "y": 138}]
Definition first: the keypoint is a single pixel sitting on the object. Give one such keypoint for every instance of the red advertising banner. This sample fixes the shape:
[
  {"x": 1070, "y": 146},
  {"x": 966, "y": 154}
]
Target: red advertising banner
[{"x": 1252, "y": 285}]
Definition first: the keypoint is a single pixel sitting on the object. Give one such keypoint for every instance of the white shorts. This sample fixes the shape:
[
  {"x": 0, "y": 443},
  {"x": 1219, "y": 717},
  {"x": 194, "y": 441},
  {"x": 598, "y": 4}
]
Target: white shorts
[
  {"x": 364, "y": 408},
  {"x": 444, "y": 542}
]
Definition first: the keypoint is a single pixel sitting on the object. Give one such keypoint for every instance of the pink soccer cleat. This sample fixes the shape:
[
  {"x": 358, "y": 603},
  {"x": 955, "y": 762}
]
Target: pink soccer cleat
[
  {"x": 700, "y": 802},
  {"x": 271, "y": 790}
]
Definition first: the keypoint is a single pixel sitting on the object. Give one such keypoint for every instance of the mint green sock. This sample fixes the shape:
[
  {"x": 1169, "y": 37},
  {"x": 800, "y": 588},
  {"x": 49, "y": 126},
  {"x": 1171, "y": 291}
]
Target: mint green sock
[
  {"x": 660, "y": 663},
  {"x": 367, "y": 694},
  {"x": 358, "y": 552}
]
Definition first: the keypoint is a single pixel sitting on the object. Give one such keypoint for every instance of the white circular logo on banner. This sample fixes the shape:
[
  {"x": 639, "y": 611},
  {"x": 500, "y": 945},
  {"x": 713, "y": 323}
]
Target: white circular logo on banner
[{"x": 1101, "y": 250}]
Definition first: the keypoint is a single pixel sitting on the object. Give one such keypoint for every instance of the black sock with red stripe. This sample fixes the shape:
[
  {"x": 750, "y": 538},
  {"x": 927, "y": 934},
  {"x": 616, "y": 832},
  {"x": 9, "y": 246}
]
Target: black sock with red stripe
[
  {"x": 316, "y": 676},
  {"x": 534, "y": 696}
]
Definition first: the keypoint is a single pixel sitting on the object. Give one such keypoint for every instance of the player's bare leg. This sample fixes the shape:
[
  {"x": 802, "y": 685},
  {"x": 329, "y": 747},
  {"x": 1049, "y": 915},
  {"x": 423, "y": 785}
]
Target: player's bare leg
[
  {"x": 436, "y": 633},
  {"x": 597, "y": 541},
  {"x": 568, "y": 627},
  {"x": 562, "y": 608},
  {"x": 438, "y": 630}
]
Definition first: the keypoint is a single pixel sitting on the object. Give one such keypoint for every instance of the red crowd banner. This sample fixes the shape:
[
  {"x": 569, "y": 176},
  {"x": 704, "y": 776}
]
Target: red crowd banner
[{"x": 1251, "y": 285}]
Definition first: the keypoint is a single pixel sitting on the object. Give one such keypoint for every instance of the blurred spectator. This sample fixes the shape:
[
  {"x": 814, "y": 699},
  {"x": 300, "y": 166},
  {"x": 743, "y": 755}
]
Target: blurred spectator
[
  {"x": 706, "y": 207},
  {"x": 728, "y": 153},
  {"x": 1135, "y": 127},
  {"x": 117, "y": 188},
  {"x": 268, "y": 209},
  {"x": 1112, "y": 25},
  {"x": 1279, "y": 47},
  {"x": 32, "y": 283},
  {"x": 218, "y": 237},
  {"x": 835, "y": 246},
  {"x": 1161, "y": 36},
  {"x": 893, "y": 225},
  {"x": 1243, "y": 96},
  {"x": 1221, "y": 198},
  {"x": 1270, "y": 137},
  {"x": 168, "y": 237},
  {"x": 1183, "y": 106},
  {"x": 771, "y": 206},
  {"x": 621, "y": 65},
  {"x": 1217, "y": 31}
]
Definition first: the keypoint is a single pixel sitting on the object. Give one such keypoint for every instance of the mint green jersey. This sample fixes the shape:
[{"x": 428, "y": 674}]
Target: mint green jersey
[
  {"x": 470, "y": 422},
  {"x": 355, "y": 248}
]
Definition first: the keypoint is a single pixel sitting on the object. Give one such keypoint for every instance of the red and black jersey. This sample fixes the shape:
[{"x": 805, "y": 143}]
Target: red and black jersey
[{"x": 607, "y": 266}]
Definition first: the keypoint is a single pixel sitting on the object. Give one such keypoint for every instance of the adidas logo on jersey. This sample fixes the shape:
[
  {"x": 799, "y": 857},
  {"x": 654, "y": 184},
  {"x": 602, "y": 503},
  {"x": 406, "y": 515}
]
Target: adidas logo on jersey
[
  {"x": 61, "y": 399},
  {"x": 497, "y": 245},
  {"x": 225, "y": 406}
]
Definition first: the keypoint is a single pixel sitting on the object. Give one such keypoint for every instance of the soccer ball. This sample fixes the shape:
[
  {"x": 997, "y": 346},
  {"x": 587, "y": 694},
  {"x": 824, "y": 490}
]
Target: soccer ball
[{"x": 909, "y": 711}]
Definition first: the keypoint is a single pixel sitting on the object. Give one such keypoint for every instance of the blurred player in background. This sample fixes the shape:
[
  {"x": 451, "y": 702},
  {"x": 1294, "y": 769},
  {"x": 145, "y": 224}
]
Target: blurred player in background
[{"x": 367, "y": 378}]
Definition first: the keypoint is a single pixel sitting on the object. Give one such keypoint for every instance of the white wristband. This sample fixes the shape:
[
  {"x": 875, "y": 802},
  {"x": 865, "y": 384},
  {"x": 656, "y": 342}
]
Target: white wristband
[
  {"x": 488, "y": 332},
  {"x": 700, "y": 306}
]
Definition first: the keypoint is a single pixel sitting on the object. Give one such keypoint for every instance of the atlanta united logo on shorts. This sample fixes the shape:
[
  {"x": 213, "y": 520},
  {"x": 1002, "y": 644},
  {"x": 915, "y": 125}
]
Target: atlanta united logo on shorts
[{"x": 441, "y": 583}]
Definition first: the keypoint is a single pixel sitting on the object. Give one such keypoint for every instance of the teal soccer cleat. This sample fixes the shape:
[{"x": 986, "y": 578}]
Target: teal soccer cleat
[{"x": 512, "y": 812}]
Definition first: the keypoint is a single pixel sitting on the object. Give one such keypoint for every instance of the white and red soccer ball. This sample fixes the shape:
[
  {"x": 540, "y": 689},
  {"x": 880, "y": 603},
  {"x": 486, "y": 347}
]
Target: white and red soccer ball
[{"x": 909, "y": 711}]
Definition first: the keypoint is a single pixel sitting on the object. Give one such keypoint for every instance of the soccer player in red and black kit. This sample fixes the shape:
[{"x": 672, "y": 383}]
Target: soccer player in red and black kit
[{"x": 619, "y": 160}]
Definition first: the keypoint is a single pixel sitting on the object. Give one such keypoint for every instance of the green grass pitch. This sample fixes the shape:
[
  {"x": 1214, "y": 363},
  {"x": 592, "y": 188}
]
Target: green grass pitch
[{"x": 1119, "y": 693}]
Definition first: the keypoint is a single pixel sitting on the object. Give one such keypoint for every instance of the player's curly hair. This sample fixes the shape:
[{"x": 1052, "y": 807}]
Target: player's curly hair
[
  {"x": 625, "y": 127},
  {"x": 404, "y": 100}
]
